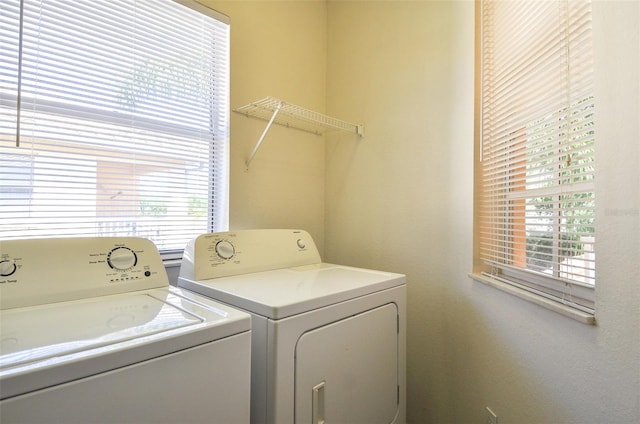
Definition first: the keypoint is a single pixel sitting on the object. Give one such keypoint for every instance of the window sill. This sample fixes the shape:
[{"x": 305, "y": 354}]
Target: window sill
[{"x": 565, "y": 310}]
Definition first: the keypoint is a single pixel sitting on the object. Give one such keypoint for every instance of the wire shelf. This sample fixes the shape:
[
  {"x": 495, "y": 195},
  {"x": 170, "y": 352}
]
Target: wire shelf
[
  {"x": 275, "y": 111},
  {"x": 297, "y": 117}
]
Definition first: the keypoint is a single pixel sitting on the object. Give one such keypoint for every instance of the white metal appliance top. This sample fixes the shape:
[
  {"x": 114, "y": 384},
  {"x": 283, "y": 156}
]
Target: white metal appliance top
[
  {"x": 110, "y": 305},
  {"x": 273, "y": 273}
]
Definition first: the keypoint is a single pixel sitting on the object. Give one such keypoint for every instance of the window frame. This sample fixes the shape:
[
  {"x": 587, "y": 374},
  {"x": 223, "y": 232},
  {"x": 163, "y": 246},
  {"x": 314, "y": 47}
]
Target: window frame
[
  {"x": 217, "y": 208},
  {"x": 568, "y": 297}
]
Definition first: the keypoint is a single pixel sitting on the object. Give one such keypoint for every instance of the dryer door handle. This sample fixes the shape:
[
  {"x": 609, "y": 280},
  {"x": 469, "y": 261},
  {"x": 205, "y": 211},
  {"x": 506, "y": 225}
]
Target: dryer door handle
[{"x": 317, "y": 404}]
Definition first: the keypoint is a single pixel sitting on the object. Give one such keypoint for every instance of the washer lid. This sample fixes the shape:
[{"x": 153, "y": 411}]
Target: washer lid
[
  {"x": 34, "y": 334},
  {"x": 49, "y": 344},
  {"x": 285, "y": 292}
]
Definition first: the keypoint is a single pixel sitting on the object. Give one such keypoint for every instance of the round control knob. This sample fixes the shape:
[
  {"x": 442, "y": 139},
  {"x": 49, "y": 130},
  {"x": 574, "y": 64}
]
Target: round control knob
[
  {"x": 225, "y": 249},
  {"x": 301, "y": 243},
  {"x": 7, "y": 268},
  {"x": 122, "y": 258}
]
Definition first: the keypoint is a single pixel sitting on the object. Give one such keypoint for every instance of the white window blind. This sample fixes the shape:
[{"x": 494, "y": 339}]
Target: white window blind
[
  {"x": 114, "y": 119},
  {"x": 536, "y": 192}
]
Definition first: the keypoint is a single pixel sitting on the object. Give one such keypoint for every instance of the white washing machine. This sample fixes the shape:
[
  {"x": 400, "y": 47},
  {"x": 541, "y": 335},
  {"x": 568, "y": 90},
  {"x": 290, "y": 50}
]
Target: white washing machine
[
  {"x": 91, "y": 332},
  {"x": 328, "y": 341}
]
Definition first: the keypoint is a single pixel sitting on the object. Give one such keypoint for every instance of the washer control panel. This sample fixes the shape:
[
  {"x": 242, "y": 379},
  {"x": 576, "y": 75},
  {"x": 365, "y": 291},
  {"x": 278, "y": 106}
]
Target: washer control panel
[
  {"x": 217, "y": 255},
  {"x": 35, "y": 271}
]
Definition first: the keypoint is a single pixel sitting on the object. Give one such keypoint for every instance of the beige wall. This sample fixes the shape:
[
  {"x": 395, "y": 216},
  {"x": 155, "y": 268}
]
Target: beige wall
[
  {"x": 400, "y": 199},
  {"x": 278, "y": 48}
]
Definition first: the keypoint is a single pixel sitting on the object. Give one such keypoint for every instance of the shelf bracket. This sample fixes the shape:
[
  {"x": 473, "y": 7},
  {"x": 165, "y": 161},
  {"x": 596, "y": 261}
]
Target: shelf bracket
[{"x": 264, "y": 133}]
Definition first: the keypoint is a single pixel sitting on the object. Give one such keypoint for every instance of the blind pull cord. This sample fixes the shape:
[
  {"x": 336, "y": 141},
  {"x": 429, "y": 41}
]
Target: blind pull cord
[{"x": 19, "y": 94}]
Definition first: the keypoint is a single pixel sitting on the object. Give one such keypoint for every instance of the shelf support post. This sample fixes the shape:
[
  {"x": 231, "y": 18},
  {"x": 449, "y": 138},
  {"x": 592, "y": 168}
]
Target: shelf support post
[{"x": 264, "y": 133}]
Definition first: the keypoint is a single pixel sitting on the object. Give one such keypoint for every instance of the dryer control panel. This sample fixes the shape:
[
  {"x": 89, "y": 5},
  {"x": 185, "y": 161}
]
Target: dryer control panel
[
  {"x": 37, "y": 271},
  {"x": 216, "y": 255}
]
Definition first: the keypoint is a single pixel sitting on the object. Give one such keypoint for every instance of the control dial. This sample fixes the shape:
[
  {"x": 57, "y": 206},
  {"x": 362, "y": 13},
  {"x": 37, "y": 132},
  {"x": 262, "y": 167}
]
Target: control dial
[
  {"x": 7, "y": 267},
  {"x": 122, "y": 258},
  {"x": 225, "y": 249}
]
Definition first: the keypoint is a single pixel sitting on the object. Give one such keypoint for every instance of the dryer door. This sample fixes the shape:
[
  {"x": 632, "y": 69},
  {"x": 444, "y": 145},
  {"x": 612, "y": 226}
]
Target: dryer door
[{"x": 347, "y": 371}]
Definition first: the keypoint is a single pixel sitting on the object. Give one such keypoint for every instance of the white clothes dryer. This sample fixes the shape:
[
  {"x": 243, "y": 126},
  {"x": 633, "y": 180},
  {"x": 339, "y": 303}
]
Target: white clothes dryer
[
  {"x": 328, "y": 341},
  {"x": 91, "y": 332}
]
